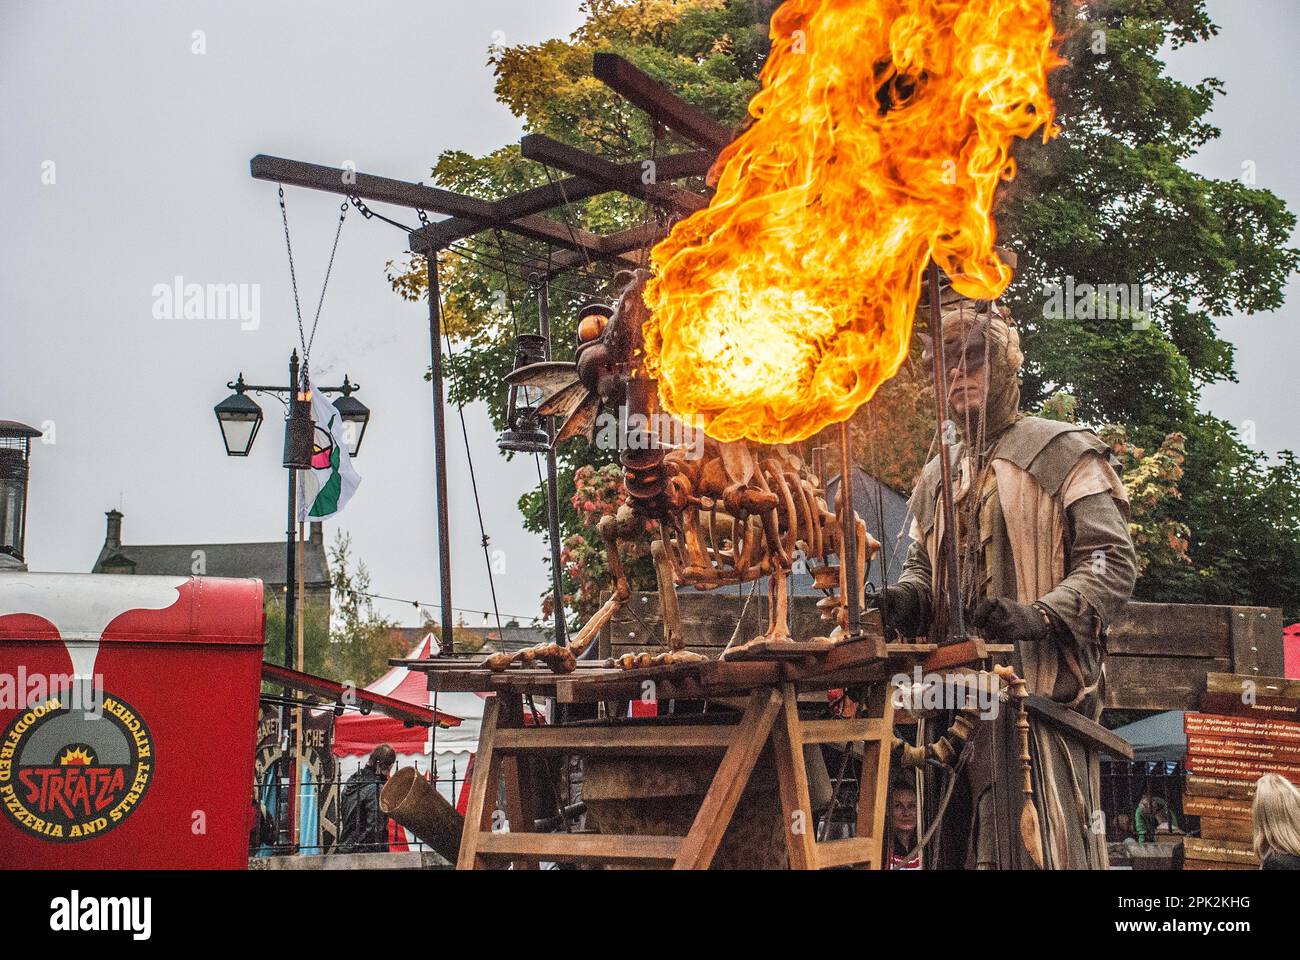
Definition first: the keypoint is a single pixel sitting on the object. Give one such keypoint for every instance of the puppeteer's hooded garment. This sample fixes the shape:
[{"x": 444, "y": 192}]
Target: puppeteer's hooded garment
[{"x": 1050, "y": 524}]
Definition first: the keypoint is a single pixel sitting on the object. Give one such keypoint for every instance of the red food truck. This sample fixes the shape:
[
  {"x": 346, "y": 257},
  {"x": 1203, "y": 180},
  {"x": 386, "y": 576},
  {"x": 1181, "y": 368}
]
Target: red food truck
[{"x": 128, "y": 719}]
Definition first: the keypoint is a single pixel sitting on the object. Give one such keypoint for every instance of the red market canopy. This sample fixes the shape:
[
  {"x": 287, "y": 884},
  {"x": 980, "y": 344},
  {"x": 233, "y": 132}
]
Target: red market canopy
[{"x": 355, "y": 734}]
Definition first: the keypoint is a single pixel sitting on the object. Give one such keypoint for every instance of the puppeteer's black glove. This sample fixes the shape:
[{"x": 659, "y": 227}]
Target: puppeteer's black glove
[
  {"x": 1006, "y": 621},
  {"x": 909, "y": 613}
]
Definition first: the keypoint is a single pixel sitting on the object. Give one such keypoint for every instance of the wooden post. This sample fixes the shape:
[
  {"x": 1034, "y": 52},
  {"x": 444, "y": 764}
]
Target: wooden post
[
  {"x": 483, "y": 788},
  {"x": 873, "y": 787},
  {"x": 701, "y": 843},
  {"x": 792, "y": 779},
  {"x": 513, "y": 768}
]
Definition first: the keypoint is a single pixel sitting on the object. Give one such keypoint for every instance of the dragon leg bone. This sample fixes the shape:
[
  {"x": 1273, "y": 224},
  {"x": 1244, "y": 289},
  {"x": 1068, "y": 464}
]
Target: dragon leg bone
[{"x": 667, "y": 596}]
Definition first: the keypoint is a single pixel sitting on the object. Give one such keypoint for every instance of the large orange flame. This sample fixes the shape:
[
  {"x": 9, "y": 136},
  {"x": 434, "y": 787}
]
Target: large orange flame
[{"x": 883, "y": 128}]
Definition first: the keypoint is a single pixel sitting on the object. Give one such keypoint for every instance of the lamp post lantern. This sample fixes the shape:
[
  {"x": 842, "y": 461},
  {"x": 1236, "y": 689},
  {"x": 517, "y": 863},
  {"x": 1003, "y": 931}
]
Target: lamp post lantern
[
  {"x": 15, "y": 465},
  {"x": 355, "y": 416},
  {"x": 239, "y": 417},
  {"x": 524, "y": 433}
]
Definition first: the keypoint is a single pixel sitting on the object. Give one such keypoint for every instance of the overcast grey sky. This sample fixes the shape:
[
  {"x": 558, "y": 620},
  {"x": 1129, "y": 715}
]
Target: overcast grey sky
[{"x": 150, "y": 144}]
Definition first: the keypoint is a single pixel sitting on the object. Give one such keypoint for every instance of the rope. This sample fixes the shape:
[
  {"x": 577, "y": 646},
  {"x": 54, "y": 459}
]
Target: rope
[
  {"x": 473, "y": 482},
  {"x": 421, "y": 603},
  {"x": 567, "y": 209}
]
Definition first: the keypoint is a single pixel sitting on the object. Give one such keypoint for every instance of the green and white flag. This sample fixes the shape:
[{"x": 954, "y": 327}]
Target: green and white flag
[{"x": 327, "y": 487}]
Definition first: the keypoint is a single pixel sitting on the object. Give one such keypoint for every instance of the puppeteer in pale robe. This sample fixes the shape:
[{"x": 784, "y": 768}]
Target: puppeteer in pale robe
[{"x": 1047, "y": 562}]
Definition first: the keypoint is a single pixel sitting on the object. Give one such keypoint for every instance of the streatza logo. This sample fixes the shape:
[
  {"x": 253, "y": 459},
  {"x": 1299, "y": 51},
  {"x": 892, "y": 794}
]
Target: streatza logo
[{"x": 67, "y": 774}]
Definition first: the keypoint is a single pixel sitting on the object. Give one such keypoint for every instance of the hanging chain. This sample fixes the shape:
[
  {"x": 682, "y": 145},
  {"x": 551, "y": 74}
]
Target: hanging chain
[
  {"x": 368, "y": 213},
  {"x": 293, "y": 277},
  {"x": 304, "y": 339}
]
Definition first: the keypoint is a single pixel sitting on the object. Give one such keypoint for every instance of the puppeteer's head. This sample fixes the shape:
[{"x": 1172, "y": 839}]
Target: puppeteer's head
[{"x": 982, "y": 361}]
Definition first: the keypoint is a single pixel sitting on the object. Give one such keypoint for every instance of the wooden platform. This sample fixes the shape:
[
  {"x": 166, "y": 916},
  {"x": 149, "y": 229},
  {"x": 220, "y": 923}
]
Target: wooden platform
[
  {"x": 1157, "y": 654},
  {"x": 765, "y": 679},
  {"x": 811, "y": 665}
]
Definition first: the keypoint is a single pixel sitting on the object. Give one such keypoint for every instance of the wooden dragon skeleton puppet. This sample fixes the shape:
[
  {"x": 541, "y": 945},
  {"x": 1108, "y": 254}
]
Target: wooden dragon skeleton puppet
[{"x": 727, "y": 513}]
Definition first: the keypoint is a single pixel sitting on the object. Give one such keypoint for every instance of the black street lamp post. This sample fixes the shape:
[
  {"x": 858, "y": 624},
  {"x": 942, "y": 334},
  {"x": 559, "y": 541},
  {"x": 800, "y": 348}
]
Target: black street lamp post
[{"x": 239, "y": 417}]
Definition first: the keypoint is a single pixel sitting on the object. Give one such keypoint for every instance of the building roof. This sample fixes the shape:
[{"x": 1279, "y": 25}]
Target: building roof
[
  {"x": 515, "y": 638},
  {"x": 265, "y": 561}
]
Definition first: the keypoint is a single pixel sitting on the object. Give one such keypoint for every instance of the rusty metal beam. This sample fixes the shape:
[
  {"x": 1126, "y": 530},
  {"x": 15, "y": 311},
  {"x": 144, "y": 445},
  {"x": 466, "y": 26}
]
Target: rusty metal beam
[{"x": 661, "y": 103}]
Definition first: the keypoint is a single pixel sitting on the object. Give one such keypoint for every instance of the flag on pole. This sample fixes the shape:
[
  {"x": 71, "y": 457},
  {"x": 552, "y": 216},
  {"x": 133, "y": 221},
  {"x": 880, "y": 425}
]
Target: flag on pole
[{"x": 328, "y": 486}]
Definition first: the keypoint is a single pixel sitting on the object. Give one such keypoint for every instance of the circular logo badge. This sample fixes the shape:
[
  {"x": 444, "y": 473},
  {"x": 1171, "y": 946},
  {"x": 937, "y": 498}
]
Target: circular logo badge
[{"x": 68, "y": 773}]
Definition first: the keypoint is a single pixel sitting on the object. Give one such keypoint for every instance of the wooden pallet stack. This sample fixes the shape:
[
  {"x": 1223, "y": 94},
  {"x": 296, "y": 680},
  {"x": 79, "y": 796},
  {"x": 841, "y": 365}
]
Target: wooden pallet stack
[{"x": 1248, "y": 726}]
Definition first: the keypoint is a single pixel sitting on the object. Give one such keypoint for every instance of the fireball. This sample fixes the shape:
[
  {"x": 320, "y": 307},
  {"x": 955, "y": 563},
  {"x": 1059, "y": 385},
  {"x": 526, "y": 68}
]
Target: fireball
[{"x": 882, "y": 131}]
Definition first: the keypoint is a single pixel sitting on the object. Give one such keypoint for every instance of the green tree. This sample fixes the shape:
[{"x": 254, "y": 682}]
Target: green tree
[
  {"x": 1108, "y": 201},
  {"x": 360, "y": 640}
]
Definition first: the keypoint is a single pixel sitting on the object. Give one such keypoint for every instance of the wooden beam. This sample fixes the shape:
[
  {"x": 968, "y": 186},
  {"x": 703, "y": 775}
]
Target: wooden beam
[
  {"x": 1254, "y": 648},
  {"x": 661, "y": 103},
  {"x": 841, "y": 731},
  {"x": 548, "y": 196},
  {"x": 535, "y": 228},
  {"x": 482, "y": 789},
  {"x": 798, "y": 824},
  {"x": 626, "y": 741},
  {"x": 1079, "y": 725},
  {"x": 710, "y": 824},
  {"x": 613, "y": 246},
  {"x": 1159, "y": 683},
  {"x": 543, "y": 149},
  {"x": 581, "y": 848},
  {"x": 873, "y": 783},
  {"x": 348, "y": 182},
  {"x": 847, "y": 852}
]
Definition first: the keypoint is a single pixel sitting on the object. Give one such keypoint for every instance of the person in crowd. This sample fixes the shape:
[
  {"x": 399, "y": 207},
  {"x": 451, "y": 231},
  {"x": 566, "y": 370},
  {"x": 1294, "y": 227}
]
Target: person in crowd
[
  {"x": 1153, "y": 816},
  {"x": 902, "y": 825},
  {"x": 364, "y": 825},
  {"x": 1275, "y": 815}
]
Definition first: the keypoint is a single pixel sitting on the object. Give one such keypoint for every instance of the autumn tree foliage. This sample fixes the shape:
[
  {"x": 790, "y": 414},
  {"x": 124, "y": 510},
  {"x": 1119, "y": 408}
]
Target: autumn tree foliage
[{"x": 1110, "y": 200}]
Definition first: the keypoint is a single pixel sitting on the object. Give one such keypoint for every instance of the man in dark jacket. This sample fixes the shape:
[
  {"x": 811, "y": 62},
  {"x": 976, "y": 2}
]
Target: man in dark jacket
[{"x": 365, "y": 827}]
